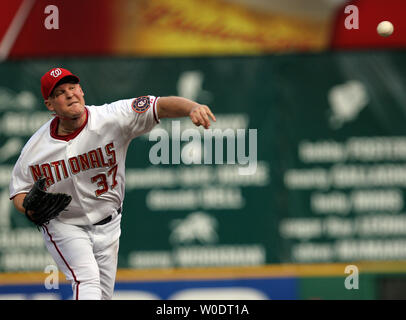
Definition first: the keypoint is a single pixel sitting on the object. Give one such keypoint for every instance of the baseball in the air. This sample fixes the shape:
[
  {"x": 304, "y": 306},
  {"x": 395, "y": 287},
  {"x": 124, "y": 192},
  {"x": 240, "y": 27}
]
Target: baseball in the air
[{"x": 385, "y": 28}]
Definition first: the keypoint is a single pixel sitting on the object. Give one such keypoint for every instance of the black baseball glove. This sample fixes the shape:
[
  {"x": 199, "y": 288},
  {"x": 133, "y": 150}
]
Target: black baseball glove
[{"x": 45, "y": 205}]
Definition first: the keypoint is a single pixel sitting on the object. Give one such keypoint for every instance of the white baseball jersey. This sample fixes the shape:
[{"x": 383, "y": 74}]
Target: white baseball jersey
[{"x": 88, "y": 164}]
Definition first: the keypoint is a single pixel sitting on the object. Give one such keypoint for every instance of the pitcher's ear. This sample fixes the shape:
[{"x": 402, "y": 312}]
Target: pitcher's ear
[
  {"x": 81, "y": 90},
  {"x": 48, "y": 104}
]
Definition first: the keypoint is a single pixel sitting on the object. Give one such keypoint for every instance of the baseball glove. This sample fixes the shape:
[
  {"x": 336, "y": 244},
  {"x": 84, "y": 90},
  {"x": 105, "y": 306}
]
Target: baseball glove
[{"x": 45, "y": 205}]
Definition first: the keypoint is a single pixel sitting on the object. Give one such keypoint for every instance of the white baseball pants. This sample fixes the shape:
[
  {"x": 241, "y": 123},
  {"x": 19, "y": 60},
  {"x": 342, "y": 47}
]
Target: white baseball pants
[{"x": 87, "y": 255}]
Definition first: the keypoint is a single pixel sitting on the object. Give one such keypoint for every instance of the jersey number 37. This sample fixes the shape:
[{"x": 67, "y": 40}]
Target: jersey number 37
[{"x": 101, "y": 180}]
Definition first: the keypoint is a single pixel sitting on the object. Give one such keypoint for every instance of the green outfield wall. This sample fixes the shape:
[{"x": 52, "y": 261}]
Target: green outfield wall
[{"x": 305, "y": 164}]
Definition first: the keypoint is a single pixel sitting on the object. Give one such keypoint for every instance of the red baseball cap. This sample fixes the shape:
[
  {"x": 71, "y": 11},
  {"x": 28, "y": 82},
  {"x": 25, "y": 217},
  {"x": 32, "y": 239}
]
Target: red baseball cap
[{"x": 51, "y": 78}]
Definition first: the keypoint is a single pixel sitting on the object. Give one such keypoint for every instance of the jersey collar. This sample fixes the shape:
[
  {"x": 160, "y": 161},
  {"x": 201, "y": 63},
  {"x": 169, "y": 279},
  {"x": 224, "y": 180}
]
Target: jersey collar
[{"x": 54, "y": 129}]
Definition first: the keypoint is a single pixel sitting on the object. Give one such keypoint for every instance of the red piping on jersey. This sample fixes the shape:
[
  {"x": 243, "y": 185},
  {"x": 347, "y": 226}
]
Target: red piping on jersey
[
  {"x": 54, "y": 129},
  {"x": 63, "y": 258},
  {"x": 155, "y": 111}
]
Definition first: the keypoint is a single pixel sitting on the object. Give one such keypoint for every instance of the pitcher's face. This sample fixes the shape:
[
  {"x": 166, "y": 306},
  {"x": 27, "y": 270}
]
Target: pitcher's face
[{"x": 67, "y": 101}]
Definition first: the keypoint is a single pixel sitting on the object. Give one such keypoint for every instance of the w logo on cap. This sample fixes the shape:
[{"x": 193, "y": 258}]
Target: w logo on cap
[
  {"x": 56, "y": 72},
  {"x": 52, "y": 77}
]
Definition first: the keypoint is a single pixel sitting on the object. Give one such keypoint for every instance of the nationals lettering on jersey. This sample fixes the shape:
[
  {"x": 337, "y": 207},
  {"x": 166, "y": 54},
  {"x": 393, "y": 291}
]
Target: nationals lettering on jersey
[
  {"x": 89, "y": 164},
  {"x": 57, "y": 170}
]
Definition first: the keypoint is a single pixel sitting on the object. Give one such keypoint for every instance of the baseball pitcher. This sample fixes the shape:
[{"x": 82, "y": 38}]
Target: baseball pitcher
[{"x": 70, "y": 177}]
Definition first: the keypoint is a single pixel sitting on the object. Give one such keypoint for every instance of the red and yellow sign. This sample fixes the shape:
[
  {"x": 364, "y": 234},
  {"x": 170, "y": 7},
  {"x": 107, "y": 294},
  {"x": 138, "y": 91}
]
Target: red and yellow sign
[
  {"x": 177, "y": 27},
  {"x": 192, "y": 27}
]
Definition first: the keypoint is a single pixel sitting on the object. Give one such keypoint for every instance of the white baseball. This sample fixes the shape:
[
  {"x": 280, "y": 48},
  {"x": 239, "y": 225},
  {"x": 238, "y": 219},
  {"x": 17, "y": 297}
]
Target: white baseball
[{"x": 385, "y": 28}]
